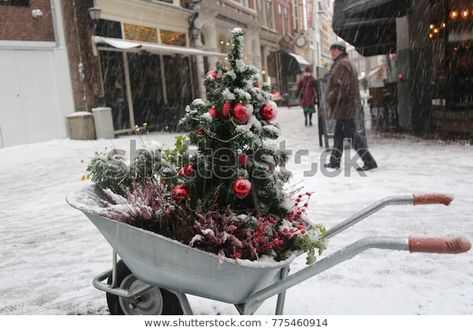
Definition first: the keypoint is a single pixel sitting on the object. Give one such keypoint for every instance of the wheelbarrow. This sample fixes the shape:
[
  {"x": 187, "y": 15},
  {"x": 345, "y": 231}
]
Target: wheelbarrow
[{"x": 156, "y": 273}]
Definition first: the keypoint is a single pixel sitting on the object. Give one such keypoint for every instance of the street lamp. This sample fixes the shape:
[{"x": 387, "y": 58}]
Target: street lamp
[{"x": 94, "y": 14}]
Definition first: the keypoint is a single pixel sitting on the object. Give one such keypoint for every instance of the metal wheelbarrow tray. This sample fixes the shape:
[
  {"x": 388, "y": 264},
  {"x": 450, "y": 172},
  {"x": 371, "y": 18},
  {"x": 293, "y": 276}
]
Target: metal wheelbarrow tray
[{"x": 157, "y": 262}]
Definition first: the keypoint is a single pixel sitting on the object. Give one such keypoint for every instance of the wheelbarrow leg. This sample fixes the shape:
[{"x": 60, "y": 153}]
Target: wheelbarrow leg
[
  {"x": 282, "y": 295},
  {"x": 114, "y": 269},
  {"x": 186, "y": 307}
]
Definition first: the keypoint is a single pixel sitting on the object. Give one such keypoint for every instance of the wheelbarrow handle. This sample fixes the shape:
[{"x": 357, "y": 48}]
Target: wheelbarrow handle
[
  {"x": 413, "y": 244},
  {"x": 439, "y": 245},
  {"x": 414, "y": 199},
  {"x": 432, "y": 198}
]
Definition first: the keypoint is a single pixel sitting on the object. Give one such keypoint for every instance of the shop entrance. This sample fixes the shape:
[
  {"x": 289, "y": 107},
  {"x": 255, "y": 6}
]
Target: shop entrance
[{"x": 146, "y": 88}]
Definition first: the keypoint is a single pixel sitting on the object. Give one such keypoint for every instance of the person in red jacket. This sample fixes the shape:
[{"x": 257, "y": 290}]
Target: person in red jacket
[
  {"x": 342, "y": 99},
  {"x": 307, "y": 91}
]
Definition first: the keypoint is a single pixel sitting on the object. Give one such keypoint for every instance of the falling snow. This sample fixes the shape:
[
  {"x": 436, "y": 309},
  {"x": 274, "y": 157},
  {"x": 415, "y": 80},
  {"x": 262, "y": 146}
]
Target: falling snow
[{"x": 50, "y": 252}]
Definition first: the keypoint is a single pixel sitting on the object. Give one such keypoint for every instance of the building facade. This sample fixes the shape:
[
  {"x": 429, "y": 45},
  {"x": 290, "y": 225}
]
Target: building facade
[
  {"x": 145, "y": 59},
  {"x": 183, "y": 40},
  {"x": 432, "y": 42},
  {"x": 35, "y": 85},
  {"x": 317, "y": 30}
]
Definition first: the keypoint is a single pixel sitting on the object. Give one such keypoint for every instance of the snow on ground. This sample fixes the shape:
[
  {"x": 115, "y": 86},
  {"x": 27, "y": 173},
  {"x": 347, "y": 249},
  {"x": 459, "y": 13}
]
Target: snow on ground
[{"x": 50, "y": 252}]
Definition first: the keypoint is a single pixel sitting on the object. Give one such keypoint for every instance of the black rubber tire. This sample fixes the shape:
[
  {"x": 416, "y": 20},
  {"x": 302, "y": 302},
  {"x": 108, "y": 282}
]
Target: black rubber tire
[{"x": 171, "y": 304}]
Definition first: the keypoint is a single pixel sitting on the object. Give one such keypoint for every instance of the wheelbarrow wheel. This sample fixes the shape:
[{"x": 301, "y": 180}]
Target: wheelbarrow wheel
[{"x": 155, "y": 301}]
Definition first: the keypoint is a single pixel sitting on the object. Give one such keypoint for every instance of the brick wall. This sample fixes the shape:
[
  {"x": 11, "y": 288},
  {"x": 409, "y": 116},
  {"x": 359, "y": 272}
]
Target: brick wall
[
  {"x": 79, "y": 48},
  {"x": 16, "y": 22}
]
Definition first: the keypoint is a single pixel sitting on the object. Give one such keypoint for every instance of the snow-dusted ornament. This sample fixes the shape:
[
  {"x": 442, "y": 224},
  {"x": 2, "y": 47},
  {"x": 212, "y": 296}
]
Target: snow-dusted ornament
[
  {"x": 187, "y": 171},
  {"x": 227, "y": 107},
  {"x": 241, "y": 188},
  {"x": 269, "y": 112},
  {"x": 240, "y": 112},
  {"x": 199, "y": 132},
  {"x": 179, "y": 192},
  {"x": 212, "y": 75},
  {"x": 213, "y": 112}
]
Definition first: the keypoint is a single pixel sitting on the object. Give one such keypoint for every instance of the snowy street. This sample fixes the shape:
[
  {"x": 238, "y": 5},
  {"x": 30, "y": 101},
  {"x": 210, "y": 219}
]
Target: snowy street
[{"x": 50, "y": 252}]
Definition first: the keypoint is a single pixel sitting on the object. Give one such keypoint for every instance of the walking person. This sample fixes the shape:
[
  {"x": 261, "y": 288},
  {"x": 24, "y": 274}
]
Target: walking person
[
  {"x": 307, "y": 91},
  {"x": 342, "y": 98}
]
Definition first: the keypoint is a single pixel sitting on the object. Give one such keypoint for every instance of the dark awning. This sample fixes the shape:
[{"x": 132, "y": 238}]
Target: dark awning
[
  {"x": 369, "y": 25},
  {"x": 376, "y": 8}
]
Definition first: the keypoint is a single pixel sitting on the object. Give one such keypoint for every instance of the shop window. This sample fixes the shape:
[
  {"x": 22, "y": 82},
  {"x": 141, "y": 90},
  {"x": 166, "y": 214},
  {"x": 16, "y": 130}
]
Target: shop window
[
  {"x": 223, "y": 43},
  {"x": 173, "y": 38},
  {"x": 15, "y": 2},
  {"x": 177, "y": 73},
  {"x": 111, "y": 29},
  {"x": 146, "y": 88},
  {"x": 141, "y": 33},
  {"x": 113, "y": 76},
  {"x": 451, "y": 36}
]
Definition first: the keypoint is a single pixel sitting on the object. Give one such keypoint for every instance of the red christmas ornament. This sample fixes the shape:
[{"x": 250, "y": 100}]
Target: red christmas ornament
[
  {"x": 243, "y": 160},
  {"x": 240, "y": 112},
  {"x": 213, "y": 112},
  {"x": 199, "y": 132},
  {"x": 241, "y": 187},
  {"x": 179, "y": 192},
  {"x": 257, "y": 85},
  {"x": 187, "y": 171},
  {"x": 267, "y": 112},
  {"x": 212, "y": 75},
  {"x": 227, "y": 107}
]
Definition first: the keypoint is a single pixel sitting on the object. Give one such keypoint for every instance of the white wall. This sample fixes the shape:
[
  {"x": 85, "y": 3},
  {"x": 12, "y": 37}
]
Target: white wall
[
  {"x": 35, "y": 88},
  {"x": 35, "y": 95}
]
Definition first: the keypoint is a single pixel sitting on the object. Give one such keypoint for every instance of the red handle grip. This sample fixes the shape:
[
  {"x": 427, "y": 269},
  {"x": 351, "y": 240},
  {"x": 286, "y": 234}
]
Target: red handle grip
[
  {"x": 432, "y": 198},
  {"x": 438, "y": 245}
]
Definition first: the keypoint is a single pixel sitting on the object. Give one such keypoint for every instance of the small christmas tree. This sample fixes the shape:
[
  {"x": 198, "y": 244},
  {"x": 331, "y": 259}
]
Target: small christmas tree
[
  {"x": 233, "y": 163},
  {"x": 228, "y": 196},
  {"x": 234, "y": 166}
]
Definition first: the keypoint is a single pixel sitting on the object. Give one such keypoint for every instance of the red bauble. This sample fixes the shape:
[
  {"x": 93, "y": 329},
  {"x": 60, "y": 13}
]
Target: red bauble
[
  {"x": 187, "y": 171},
  {"x": 212, "y": 75},
  {"x": 227, "y": 107},
  {"x": 243, "y": 159},
  {"x": 267, "y": 112},
  {"x": 179, "y": 192},
  {"x": 213, "y": 112},
  {"x": 240, "y": 112},
  {"x": 257, "y": 85},
  {"x": 241, "y": 187},
  {"x": 200, "y": 132}
]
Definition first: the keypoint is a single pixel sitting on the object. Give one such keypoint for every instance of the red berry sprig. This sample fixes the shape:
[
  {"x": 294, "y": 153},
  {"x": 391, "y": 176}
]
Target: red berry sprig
[{"x": 297, "y": 210}]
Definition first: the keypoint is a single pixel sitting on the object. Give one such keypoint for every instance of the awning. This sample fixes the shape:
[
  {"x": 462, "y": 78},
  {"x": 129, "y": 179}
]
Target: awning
[
  {"x": 300, "y": 59},
  {"x": 376, "y": 8},
  {"x": 369, "y": 25},
  {"x": 134, "y": 46}
]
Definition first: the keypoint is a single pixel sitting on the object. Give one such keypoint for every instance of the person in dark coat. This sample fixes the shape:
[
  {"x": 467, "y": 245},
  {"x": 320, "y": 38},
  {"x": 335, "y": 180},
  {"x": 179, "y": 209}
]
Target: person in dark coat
[
  {"x": 307, "y": 91},
  {"x": 342, "y": 98}
]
